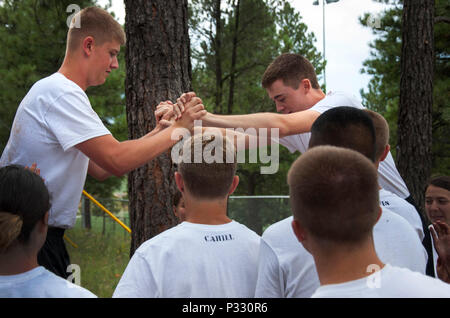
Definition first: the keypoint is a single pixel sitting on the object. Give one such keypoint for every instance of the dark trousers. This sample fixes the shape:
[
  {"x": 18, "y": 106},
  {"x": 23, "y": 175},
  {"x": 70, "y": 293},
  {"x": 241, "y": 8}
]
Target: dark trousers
[
  {"x": 426, "y": 240},
  {"x": 53, "y": 255}
]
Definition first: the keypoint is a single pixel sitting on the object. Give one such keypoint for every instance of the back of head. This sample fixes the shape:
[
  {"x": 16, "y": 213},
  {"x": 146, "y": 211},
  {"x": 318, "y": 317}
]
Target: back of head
[
  {"x": 346, "y": 127},
  {"x": 208, "y": 166},
  {"x": 292, "y": 69},
  {"x": 334, "y": 194},
  {"x": 95, "y": 22},
  {"x": 381, "y": 131},
  {"x": 24, "y": 200}
]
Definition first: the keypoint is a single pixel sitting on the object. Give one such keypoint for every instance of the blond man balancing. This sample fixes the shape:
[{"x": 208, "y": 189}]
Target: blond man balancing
[{"x": 56, "y": 127}]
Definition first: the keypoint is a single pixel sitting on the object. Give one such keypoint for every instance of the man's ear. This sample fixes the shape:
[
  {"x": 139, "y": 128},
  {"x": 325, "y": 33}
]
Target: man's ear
[
  {"x": 386, "y": 152},
  {"x": 179, "y": 181},
  {"x": 88, "y": 45},
  {"x": 234, "y": 185},
  {"x": 299, "y": 231},
  {"x": 43, "y": 224},
  {"x": 305, "y": 85},
  {"x": 380, "y": 211}
]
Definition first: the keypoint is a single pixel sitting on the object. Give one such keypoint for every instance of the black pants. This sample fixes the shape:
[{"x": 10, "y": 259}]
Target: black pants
[
  {"x": 426, "y": 240},
  {"x": 53, "y": 255}
]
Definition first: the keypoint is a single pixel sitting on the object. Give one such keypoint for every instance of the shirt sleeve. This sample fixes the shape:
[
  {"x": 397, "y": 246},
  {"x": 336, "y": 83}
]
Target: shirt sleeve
[
  {"x": 270, "y": 283},
  {"x": 287, "y": 142},
  {"x": 137, "y": 281},
  {"x": 72, "y": 120},
  {"x": 336, "y": 99}
]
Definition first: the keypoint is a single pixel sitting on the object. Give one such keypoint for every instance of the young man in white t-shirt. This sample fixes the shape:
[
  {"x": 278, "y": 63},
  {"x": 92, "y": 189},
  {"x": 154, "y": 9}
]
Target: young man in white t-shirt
[
  {"x": 24, "y": 206},
  {"x": 207, "y": 255},
  {"x": 291, "y": 82},
  {"x": 286, "y": 269},
  {"x": 56, "y": 127},
  {"x": 335, "y": 202}
]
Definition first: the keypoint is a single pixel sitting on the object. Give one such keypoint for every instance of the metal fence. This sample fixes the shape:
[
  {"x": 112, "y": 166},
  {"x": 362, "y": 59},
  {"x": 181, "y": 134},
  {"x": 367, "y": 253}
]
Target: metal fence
[{"x": 256, "y": 212}]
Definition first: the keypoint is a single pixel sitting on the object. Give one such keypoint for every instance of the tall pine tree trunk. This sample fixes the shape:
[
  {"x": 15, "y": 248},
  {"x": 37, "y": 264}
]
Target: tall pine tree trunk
[
  {"x": 158, "y": 68},
  {"x": 218, "y": 55},
  {"x": 234, "y": 58},
  {"x": 416, "y": 96}
]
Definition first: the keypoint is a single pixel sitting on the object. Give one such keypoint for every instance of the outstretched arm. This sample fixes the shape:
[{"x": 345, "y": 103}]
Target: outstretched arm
[
  {"x": 118, "y": 158},
  {"x": 288, "y": 124}
]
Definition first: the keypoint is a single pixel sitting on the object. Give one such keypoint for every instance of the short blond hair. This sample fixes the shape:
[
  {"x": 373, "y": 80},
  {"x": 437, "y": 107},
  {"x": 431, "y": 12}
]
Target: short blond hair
[
  {"x": 209, "y": 180},
  {"x": 95, "y": 22},
  {"x": 334, "y": 194},
  {"x": 381, "y": 132}
]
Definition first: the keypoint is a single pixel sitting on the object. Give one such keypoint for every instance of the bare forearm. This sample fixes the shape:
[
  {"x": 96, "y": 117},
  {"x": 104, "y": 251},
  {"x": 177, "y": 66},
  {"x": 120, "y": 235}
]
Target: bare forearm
[
  {"x": 241, "y": 140},
  {"x": 132, "y": 154},
  {"x": 258, "y": 120},
  {"x": 97, "y": 172},
  {"x": 288, "y": 124}
]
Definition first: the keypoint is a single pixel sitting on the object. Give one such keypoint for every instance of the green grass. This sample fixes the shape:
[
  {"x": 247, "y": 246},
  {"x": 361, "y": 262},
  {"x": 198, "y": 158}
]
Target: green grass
[{"x": 102, "y": 258}]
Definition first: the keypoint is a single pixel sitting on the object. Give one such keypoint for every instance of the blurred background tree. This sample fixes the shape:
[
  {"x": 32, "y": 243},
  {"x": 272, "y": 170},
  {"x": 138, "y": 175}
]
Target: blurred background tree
[{"x": 383, "y": 91}]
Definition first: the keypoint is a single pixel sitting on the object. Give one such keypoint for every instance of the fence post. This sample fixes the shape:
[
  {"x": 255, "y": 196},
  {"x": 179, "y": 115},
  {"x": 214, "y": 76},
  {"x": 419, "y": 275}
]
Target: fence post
[
  {"x": 86, "y": 213},
  {"x": 103, "y": 229}
]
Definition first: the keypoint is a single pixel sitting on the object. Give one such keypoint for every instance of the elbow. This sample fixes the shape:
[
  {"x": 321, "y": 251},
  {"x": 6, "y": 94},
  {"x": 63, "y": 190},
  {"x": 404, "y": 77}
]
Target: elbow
[
  {"x": 117, "y": 171},
  {"x": 114, "y": 167}
]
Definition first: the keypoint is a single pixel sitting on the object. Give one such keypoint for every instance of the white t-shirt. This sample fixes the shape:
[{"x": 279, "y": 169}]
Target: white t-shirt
[
  {"x": 388, "y": 176},
  {"x": 53, "y": 117},
  {"x": 403, "y": 208},
  {"x": 389, "y": 282},
  {"x": 287, "y": 269},
  {"x": 40, "y": 283},
  {"x": 194, "y": 261}
]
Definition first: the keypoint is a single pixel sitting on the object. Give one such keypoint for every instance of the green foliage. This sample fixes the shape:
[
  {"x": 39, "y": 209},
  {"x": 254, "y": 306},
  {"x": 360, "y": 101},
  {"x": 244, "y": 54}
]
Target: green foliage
[
  {"x": 266, "y": 29},
  {"x": 384, "y": 87},
  {"x": 33, "y": 43},
  {"x": 102, "y": 258}
]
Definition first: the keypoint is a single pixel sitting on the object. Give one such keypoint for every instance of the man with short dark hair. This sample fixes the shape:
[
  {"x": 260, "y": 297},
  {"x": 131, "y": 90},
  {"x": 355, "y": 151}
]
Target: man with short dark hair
[
  {"x": 290, "y": 81},
  {"x": 287, "y": 270},
  {"x": 334, "y": 199},
  {"x": 207, "y": 255}
]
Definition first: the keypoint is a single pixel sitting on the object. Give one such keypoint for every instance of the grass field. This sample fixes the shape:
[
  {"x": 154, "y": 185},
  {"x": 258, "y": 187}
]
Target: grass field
[{"x": 102, "y": 258}]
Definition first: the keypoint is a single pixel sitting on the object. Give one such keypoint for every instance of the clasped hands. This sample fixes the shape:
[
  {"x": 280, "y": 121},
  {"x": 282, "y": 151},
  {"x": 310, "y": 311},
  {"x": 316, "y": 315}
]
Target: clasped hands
[{"x": 188, "y": 108}]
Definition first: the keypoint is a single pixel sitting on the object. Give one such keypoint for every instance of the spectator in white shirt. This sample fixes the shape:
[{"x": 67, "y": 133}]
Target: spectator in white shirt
[{"x": 24, "y": 206}]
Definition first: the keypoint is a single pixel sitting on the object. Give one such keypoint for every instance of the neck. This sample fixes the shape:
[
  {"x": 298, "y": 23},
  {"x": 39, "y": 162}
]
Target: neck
[
  {"x": 18, "y": 259},
  {"x": 212, "y": 212},
  {"x": 317, "y": 95},
  {"x": 346, "y": 264},
  {"x": 74, "y": 71}
]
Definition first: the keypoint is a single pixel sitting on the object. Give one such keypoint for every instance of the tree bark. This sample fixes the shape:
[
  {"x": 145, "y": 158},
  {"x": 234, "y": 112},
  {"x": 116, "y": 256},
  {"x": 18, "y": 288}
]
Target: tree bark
[
  {"x": 416, "y": 97},
  {"x": 218, "y": 55},
  {"x": 158, "y": 68},
  {"x": 233, "y": 58}
]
